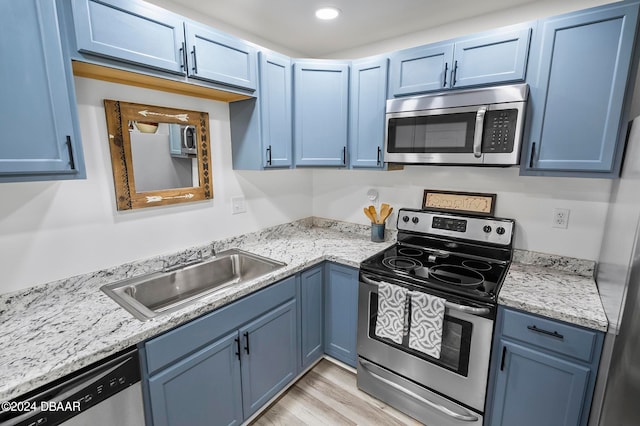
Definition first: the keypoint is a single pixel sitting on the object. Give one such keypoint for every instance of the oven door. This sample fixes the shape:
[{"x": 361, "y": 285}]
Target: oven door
[
  {"x": 451, "y": 135},
  {"x": 462, "y": 370}
]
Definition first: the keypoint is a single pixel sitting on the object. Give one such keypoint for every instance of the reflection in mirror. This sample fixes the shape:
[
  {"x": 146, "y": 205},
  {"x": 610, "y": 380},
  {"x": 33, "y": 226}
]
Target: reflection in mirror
[{"x": 158, "y": 162}]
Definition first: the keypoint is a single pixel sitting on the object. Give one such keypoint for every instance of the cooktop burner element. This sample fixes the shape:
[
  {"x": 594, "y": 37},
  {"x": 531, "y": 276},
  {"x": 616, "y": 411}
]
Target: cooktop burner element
[
  {"x": 456, "y": 275},
  {"x": 478, "y": 265},
  {"x": 408, "y": 251},
  {"x": 401, "y": 263},
  {"x": 468, "y": 256}
]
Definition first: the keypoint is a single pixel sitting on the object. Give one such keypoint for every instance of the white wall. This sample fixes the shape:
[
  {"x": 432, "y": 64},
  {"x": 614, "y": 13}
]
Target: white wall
[
  {"x": 53, "y": 230},
  {"x": 529, "y": 200}
]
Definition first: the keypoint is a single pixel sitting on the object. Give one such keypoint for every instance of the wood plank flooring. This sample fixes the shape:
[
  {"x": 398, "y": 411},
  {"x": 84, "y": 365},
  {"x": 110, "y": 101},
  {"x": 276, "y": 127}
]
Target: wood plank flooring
[{"x": 328, "y": 395}]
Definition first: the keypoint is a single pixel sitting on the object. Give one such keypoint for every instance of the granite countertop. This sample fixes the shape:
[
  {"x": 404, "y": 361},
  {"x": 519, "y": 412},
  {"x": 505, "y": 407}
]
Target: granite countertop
[{"x": 51, "y": 330}]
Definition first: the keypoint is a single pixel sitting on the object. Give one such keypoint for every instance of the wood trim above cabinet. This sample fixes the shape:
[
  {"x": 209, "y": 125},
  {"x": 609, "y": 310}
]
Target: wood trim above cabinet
[{"x": 114, "y": 75}]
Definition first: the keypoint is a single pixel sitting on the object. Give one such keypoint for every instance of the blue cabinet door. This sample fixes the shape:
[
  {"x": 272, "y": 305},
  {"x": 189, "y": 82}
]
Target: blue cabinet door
[
  {"x": 367, "y": 102},
  {"x": 491, "y": 58},
  {"x": 275, "y": 109},
  {"x": 132, "y": 31},
  {"x": 312, "y": 315},
  {"x": 341, "y": 313},
  {"x": 203, "y": 389},
  {"x": 534, "y": 388},
  {"x": 268, "y": 356},
  {"x": 421, "y": 69},
  {"x": 577, "y": 103},
  {"x": 321, "y": 103},
  {"x": 39, "y": 140},
  {"x": 218, "y": 57}
]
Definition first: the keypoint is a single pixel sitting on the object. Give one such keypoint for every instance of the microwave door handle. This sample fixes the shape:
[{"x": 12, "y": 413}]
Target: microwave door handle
[{"x": 477, "y": 135}]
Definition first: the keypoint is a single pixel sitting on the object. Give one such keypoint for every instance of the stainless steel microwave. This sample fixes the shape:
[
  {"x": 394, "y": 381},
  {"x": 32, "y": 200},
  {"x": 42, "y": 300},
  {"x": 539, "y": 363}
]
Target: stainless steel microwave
[{"x": 470, "y": 127}]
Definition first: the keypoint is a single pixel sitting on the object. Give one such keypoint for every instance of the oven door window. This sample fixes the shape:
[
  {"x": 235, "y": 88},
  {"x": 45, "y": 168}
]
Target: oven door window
[
  {"x": 439, "y": 134},
  {"x": 456, "y": 341}
]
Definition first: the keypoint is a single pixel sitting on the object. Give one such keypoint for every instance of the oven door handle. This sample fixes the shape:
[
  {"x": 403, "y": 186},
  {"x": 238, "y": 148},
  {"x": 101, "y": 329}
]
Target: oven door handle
[
  {"x": 456, "y": 307},
  {"x": 444, "y": 410}
]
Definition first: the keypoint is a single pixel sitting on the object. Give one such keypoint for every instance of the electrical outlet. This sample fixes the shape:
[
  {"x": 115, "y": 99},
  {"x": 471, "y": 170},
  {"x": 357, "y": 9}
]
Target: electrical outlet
[
  {"x": 238, "y": 205},
  {"x": 561, "y": 218}
]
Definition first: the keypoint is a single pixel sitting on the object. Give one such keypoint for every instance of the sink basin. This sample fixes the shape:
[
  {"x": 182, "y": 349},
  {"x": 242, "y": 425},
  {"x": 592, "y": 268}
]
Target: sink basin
[{"x": 161, "y": 292}]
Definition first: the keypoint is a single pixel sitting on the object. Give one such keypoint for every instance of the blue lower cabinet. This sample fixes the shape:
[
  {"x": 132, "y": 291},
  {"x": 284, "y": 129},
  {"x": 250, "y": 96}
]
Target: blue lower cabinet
[
  {"x": 312, "y": 315},
  {"x": 341, "y": 313},
  {"x": 203, "y": 389},
  {"x": 543, "y": 371},
  {"x": 268, "y": 356}
]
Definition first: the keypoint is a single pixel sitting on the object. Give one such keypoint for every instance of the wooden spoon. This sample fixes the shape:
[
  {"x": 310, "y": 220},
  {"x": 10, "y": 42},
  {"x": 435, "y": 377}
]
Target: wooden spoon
[
  {"x": 387, "y": 213},
  {"x": 374, "y": 214},
  {"x": 368, "y": 214},
  {"x": 384, "y": 212}
]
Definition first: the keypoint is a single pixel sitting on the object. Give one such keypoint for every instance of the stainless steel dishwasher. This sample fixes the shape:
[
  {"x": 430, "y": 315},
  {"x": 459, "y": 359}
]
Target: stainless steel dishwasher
[{"x": 106, "y": 393}]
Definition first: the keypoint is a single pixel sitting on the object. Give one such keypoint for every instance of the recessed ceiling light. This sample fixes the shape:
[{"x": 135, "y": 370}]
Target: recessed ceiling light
[{"x": 327, "y": 13}]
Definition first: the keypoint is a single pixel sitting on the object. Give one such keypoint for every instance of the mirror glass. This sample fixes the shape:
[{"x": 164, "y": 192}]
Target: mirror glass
[{"x": 159, "y": 155}]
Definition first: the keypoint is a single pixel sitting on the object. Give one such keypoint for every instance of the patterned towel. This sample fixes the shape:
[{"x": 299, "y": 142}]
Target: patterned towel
[
  {"x": 391, "y": 309},
  {"x": 427, "y": 316}
]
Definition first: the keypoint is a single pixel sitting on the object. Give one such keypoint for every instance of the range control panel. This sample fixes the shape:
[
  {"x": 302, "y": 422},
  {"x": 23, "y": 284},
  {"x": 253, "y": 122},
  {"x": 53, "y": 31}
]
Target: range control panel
[{"x": 490, "y": 229}]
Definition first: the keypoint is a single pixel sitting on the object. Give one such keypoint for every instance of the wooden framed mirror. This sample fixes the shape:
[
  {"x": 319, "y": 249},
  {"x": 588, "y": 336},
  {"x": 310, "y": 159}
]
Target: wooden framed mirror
[{"x": 159, "y": 155}]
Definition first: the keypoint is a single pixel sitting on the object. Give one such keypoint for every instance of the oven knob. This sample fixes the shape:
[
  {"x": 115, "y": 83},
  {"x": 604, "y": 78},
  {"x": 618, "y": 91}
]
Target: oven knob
[
  {"x": 486, "y": 229},
  {"x": 415, "y": 220},
  {"x": 405, "y": 219},
  {"x": 500, "y": 230}
]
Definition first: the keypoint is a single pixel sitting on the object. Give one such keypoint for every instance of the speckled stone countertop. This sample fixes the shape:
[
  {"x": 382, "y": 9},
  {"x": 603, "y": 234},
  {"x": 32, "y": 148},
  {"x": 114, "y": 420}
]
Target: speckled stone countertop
[
  {"x": 554, "y": 287},
  {"x": 53, "y": 329}
]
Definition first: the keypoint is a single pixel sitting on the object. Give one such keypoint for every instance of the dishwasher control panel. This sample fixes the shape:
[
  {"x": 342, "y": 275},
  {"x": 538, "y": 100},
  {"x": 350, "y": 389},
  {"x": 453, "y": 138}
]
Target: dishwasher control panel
[{"x": 67, "y": 397}]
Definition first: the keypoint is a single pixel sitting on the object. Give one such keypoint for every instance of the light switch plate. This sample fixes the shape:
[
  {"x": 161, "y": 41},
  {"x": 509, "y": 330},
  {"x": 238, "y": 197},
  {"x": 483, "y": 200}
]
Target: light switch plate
[{"x": 238, "y": 205}]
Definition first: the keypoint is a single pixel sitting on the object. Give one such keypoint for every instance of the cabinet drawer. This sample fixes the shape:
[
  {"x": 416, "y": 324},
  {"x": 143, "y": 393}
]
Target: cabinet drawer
[
  {"x": 552, "y": 335},
  {"x": 184, "y": 340}
]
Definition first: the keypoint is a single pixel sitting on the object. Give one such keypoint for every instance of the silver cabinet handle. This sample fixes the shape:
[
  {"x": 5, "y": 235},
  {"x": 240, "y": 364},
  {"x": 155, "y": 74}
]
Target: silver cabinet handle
[
  {"x": 477, "y": 135},
  {"x": 444, "y": 410}
]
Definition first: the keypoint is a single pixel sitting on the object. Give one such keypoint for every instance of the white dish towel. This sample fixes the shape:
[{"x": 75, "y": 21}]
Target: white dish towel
[
  {"x": 391, "y": 311},
  {"x": 427, "y": 316}
]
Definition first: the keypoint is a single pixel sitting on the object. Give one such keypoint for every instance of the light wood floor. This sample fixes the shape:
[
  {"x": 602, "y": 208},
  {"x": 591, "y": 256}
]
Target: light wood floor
[{"x": 328, "y": 395}]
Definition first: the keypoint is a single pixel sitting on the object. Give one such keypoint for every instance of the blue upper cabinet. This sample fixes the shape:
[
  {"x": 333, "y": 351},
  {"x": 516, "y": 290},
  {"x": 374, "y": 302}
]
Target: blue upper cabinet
[
  {"x": 421, "y": 69},
  {"x": 578, "y": 93},
  {"x": 131, "y": 31},
  {"x": 275, "y": 106},
  {"x": 320, "y": 110},
  {"x": 41, "y": 139},
  {"x": 217, "y": 57},
  {"x": 367, "y": 101},
  {"x": 492, "y": 57},
  {"x": 137, "y": 36},
  {"x": 261, "y": 129}
]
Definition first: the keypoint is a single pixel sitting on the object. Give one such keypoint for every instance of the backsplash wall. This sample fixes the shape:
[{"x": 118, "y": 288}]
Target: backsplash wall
[
  {"x": 53, "y": 230},
  {"x": 530, "y": 201}
]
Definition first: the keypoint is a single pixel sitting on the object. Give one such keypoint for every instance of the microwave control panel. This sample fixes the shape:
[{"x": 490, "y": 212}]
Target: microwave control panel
[{"x": 499, "y": 130}]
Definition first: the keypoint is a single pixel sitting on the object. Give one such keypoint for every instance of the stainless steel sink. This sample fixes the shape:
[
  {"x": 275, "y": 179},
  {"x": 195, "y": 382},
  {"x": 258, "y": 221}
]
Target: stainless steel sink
[{"x": 161, "y": 292}]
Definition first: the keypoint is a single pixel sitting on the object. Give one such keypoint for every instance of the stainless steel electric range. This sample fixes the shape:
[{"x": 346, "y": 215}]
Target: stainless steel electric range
[{"x": 462, "y": 260}]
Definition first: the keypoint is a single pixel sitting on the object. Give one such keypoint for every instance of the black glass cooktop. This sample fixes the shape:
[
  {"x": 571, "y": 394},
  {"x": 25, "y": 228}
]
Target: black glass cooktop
[{"x": 468, "y": 274}]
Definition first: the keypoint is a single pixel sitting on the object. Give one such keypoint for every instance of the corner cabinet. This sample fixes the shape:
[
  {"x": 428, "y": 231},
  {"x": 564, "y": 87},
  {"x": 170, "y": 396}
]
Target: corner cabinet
[
  {"x": 320, "y": 112},
  {"x": 367, "y": 105},
  {"x": 312, "y": 315},
  {"x": 579, "y": 92},
  {"x": 341, "y": 313},
  {"x": 221, "y": 368},
  {"x": 492, "y": 57},
  {"x": 38, "y": 96},
  {"x": 543, "y": 371}
]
